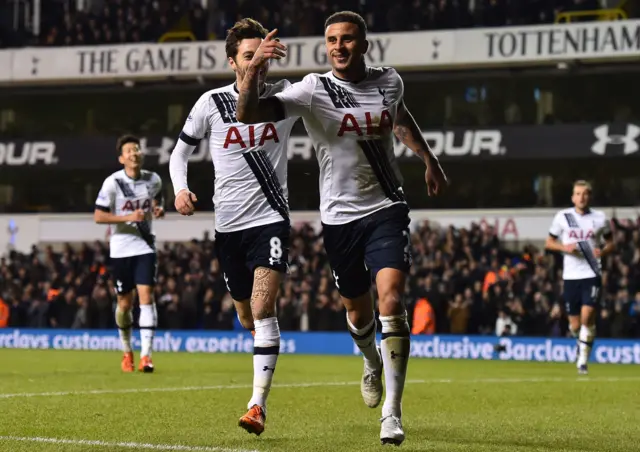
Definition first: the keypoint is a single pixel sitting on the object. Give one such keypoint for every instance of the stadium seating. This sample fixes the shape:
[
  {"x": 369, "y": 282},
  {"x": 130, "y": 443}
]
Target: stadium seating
[
  {"x": 120, "y": 21},
  {"x": 472, "y": 282}
]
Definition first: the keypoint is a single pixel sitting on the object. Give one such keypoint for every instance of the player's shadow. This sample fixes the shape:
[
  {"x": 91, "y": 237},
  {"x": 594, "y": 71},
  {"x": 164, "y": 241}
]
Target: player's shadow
[{"x": 461, "y": 437}]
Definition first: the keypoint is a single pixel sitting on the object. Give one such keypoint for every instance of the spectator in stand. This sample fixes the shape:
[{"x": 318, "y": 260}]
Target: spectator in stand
[
  {"x": 473, "y": 284},
  {"x": 505, "y": 326},
  {"x": 458, "y": 315},
  {"x": 4, "y": 314},
  {"x": 557, "y": 324},
  {"x": 424, "y": 321},
  {"x": 634, "y": 315},
  {"x": 120, "y": 21}
]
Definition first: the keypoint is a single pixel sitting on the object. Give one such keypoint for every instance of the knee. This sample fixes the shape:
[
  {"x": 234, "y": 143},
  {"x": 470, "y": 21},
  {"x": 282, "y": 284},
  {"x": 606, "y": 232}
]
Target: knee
[
  {"x": 124, "y": 303},
  {"x": 390, "y": 302},
  {"x": 390, "y": 284}
]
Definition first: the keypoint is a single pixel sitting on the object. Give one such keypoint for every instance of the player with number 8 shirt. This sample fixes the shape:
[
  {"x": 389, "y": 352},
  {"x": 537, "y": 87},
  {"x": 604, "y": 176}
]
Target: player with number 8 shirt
[{"x": 251, "y": 205}]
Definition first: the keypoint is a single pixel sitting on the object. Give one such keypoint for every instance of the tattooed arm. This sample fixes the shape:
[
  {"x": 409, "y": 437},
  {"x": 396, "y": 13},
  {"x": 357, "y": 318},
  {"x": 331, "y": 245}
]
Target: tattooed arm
[
  {"x": 250, "y": 108},
  {"x": 408, "y": 132}
]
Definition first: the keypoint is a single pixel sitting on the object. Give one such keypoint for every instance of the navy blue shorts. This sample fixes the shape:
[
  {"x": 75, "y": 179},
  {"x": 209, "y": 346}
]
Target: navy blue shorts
[
  {"x": 129, "y": 272},
  {"x": 581, "y": 292},
  {"x": 241, "y": 252},
  {"x": 359, "y": 249}
]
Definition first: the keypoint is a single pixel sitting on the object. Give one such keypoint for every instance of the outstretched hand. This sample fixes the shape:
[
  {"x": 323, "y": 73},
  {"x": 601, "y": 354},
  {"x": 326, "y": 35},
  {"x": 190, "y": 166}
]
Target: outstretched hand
[{"x": 271, "y": 47}]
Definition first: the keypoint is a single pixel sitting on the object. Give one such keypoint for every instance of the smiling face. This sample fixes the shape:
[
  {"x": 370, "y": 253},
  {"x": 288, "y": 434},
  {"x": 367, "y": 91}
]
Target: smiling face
[
  {"x": 346, "y": 46},
  {"x": 131, "y": 156}
]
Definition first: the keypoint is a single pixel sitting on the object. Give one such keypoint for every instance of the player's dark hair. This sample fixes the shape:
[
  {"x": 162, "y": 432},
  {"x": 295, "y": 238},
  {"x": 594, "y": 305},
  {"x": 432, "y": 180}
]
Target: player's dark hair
[
  {"x": 349, "y": 17},
  {"x": 243, "y": 29},
  {"x": 124, "y": 139}
]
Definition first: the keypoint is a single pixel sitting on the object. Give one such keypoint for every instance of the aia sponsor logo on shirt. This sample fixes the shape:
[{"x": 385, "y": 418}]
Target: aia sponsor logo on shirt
[
  {"x": 581, "y": 234},
  {"x": 137, "y": 204}
]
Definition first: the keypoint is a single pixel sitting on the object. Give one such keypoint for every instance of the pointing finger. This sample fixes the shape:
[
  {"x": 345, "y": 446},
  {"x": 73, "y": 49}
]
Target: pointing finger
[{"x": 271, "y": 35}]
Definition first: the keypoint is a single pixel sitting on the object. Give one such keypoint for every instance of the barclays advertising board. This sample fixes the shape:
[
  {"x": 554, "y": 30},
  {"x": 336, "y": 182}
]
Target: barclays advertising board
[{"x": 438, "y": 347}]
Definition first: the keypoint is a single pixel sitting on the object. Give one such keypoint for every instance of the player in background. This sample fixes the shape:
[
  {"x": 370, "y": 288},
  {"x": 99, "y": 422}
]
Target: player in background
[
  {"x": 351, "y": 114},
  {"x": 579, "y": 232},
  {"x": 251, "y": 205},
  {"x": 128, "y": 200}
]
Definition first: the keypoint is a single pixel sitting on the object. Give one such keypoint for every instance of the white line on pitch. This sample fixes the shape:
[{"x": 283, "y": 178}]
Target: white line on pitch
[
  {"x": 127, "y": 445},
  {"x": 320, "y": 384}
]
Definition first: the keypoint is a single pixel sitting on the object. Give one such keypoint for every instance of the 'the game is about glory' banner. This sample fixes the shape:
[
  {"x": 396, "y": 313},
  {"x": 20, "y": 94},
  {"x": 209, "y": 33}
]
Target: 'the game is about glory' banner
[{"x": 410, "y": 51}]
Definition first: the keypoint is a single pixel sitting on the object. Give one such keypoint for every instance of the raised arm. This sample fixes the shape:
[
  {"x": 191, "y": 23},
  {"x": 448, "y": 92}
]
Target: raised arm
[
  {"x": 408, "y": 132},
  {"x": 250, "y": 109}
]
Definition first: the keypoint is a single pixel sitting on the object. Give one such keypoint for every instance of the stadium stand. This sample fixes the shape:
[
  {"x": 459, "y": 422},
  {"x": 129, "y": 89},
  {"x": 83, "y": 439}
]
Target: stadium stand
[
  {"x": 124, "y": 21},
  {"x": 472, "y": 283}
]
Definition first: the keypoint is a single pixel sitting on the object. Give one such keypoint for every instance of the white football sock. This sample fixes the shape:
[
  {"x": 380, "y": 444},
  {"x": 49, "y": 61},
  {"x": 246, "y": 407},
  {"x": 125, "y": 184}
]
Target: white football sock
[
  {"x": 396, "y": 347},
  {"x": 365, "y": 339},
  {"x": 148, "y": 322},
  {"x": 266, "y": 348},
  {"x": 585, "y": 342},
  {"x": 124, "y": 320}
]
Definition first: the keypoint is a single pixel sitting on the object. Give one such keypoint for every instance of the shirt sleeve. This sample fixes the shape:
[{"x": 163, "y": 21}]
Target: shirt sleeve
[
  {"x": 297, "y": 98},
  {"x": 197, "y": 124},
  {"x": 107, "y": 196},
  {"x": 397, "y": 86},
  {"x": 195, "y": 129},
  {"x": 556, "y": 227}
]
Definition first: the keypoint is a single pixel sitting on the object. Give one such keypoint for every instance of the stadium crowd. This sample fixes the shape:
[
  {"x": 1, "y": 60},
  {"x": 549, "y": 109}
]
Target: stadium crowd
[
  {"x": 463, "y": 281},
  {"x": 120, "y": 21}
]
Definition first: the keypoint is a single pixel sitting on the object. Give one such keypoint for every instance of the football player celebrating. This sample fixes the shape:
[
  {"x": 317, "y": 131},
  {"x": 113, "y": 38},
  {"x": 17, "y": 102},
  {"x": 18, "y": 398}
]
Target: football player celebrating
[
  {"x": 128, "y": 200},
  {"x": 351, "y": 114}
]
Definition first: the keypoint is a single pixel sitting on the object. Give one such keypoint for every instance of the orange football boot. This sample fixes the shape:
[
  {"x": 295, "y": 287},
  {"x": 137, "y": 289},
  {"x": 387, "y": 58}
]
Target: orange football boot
[
  {"x": 146, "y": 365},
  {"x": 127, "y": 362},
  {"x": 253, "y": 421}
]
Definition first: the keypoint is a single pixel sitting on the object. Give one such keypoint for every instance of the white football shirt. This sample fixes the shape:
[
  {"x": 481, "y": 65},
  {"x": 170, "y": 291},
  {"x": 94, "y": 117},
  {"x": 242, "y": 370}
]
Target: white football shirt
[
  {"x": 351, "y": 127},
  {"x": 121, "y": 196},
  {"x": 587, "y": 231},
  {"x": 250, "y": 161}
]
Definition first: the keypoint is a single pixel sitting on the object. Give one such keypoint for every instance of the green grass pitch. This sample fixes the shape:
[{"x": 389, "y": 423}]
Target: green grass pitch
[{"x": 80, "y": 401}]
